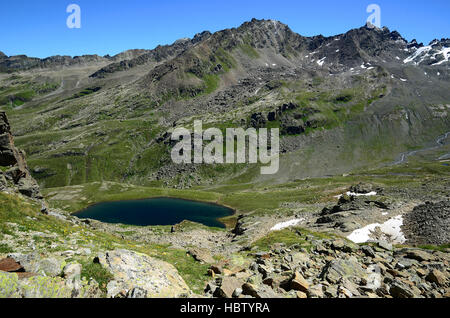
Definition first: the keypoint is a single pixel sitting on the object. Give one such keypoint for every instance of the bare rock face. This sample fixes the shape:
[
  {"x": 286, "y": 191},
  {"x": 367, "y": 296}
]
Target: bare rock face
[
  {"x": 14, "y": 173},
  {"x": 135, "y": 272}
]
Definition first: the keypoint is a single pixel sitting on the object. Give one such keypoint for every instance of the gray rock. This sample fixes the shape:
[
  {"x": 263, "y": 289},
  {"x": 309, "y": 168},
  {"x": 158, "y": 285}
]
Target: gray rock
[
  {"x": 368, "y": 251},
  {"x": 300, "y": 258},
  {"x": 362, "y": 188},
  {"x": 419, "y": 255},
  {"x": 227, "y": 287},
  {"x": 299, "y": 283},
  {"x": 374, "y": 278},
  {"x": 401, "y": 290},
  {"x": 437, "y": 277},
  {"x": 405, "y": 263},
  {"x": 92, "y": 290},
  {"x": 349, "y": 288},
  {"x": 201, "y": 255},
  {"x": 50, "y": 266},
  {"x": 68, "y": 253},
  {"x": 132, "y": 270},
  {"x": 72, "y": 271},
  {"x": 337, "y": 269},
  {"x": 264, "y": 270},
  {"x": 28, "y": 186},
  {"x": 385, "y": 245},
  {"x": 137, "y": 292},
  {"x": 84, "y": 251},
  {"x": 116, "y": 289},
  {"x": 237, "y": 292},
  {"x": 9, "y": 283},
  {"x": 316, "y": 291},
  {"x": 348, "y": 226},
  {"x": 331, "y": 292},
  {"x": 26, "y": 260},
  {"x": 261, "y": 291},
  {"x": 428, "y": 224}
]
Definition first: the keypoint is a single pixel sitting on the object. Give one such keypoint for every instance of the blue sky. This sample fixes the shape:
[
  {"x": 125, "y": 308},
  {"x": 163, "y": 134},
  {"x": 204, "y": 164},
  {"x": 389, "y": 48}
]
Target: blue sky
[{"x": 38, "y": 28}]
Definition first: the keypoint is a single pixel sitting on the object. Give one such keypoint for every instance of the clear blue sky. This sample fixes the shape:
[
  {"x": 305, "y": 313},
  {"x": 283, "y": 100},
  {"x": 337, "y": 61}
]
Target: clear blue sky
[{"x": 38, "y": 28}]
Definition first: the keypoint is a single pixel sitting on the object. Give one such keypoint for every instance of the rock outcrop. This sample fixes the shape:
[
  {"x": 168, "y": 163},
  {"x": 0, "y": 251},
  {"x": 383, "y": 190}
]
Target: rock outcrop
[
  {"x": 30, "y": 276},
  {"x": 138, "y": 275},
  {"x": 14, "y": 173}
]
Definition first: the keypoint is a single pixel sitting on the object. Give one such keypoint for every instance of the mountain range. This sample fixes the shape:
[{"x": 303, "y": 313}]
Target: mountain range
[{"x": 351, "y": 101}]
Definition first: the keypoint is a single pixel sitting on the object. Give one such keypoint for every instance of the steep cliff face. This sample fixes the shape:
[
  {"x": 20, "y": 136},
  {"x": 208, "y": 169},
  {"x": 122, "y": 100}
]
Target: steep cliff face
[{"x": 14, "y": 173}]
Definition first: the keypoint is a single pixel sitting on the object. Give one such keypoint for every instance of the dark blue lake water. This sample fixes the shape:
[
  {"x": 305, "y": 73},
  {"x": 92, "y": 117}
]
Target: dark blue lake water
[{"x": 159, "y": 211}]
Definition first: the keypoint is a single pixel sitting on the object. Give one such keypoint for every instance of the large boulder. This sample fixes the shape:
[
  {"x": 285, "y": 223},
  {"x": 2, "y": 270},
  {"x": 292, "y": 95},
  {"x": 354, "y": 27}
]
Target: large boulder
[
  {"x": 299, "y": 283},
  {"x": 437, "y": 277},
  {"x": 28, "y": 187},
  {"x": 72, "y": 271},
  {"x": 227, "y": 287},
  {"x": 11, "y": 286},
  {"x": 49, "y": 266},
  {"x": 258, "y": 291},
  {"x": 201, "y": 255},
  {"x": 362, "y": 188},
  {"x": 131, "y": 270},
  {"x": 34, "y": 263},
  {"x": 400, "y": 289},
  {"x": 340, "y": 268}
]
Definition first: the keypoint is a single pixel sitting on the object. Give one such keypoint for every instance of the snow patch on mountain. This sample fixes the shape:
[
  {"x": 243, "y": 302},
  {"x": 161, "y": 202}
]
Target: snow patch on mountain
[
  {"x": 284, "y": 225},
  {"x": 321, "y": 61},
  {"x": 429, "y": 53},
  {"x": 420, "y": 52},
  {"x": 391, "y": 230}
]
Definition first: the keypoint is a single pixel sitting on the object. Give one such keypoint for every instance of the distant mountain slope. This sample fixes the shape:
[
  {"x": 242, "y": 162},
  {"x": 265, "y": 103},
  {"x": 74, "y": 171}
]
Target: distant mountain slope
[{"x": 354, "y": 100}]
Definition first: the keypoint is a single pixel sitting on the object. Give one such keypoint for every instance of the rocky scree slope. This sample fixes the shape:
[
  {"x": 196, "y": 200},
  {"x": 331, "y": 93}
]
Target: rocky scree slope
[{"x": 334, "y": 268}]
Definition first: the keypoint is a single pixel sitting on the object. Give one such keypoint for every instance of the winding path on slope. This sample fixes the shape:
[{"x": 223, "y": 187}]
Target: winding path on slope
[{"x": 440, "y": 141}]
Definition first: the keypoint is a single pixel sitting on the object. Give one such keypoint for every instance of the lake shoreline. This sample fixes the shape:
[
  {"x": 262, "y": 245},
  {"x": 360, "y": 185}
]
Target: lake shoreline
[{"x": 221, "y": 220}]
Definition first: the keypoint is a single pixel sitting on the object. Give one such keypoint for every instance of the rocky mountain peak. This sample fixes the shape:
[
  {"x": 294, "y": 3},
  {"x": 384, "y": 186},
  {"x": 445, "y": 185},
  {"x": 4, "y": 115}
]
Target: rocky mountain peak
[
  {"x": 201, "y": 36},
  {"x": 444, "y": 42},
  {"x": 258, "y": 34},
  {"x": 263, "y": 24},
  {"x": 269, "y": 28},
  {"x": 414, "y": 45}
]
